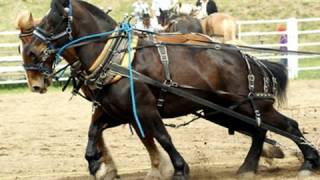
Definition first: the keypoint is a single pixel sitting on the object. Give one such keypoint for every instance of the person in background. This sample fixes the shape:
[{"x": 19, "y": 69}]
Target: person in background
[
  {"x": 139, "y": 8},
  {"x": 206, "y": 7},
  {"x": 211, "y": 7},
  {"x": 283, "y": 41},
  {"x": 164, "y": 5},
  {"x": 148, "y": 24}
]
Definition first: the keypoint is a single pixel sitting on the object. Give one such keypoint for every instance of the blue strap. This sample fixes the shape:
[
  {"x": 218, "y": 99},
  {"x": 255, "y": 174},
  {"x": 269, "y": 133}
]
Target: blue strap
[
  {"x": 128, "y": 30},
  {"x": 84, "y": 38}
]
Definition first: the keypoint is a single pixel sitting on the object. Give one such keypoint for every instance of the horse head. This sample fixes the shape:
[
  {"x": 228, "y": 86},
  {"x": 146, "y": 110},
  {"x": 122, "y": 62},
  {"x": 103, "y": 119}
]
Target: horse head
[
  {"x": 167, "y": 15},
  {"x": 66, "y": 21},
  {"x": 36, "y": 79}
]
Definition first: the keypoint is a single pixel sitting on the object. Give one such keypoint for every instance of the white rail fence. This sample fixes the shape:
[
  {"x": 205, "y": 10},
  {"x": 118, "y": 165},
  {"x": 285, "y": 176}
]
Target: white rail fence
[{"x": 292, "y": 33}]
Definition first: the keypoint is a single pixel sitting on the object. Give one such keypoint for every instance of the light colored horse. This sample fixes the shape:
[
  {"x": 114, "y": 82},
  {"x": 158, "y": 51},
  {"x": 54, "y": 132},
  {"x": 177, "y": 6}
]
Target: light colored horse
[{"x": 220, "y": 26}]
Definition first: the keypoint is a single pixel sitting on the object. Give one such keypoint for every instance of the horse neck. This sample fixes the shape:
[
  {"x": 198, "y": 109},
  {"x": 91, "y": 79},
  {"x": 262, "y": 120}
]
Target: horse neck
[{"x": 88, "y": 53}]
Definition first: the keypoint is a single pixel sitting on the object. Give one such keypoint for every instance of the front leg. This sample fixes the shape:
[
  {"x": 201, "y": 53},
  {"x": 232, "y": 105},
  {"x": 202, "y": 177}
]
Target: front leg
[{"x": 101, "y": 164}]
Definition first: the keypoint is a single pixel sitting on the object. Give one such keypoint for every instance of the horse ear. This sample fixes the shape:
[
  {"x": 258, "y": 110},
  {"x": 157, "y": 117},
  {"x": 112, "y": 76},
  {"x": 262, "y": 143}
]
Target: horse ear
[
  {"x": 24, "y": 20},
  {"x": 161, "y": 12}
]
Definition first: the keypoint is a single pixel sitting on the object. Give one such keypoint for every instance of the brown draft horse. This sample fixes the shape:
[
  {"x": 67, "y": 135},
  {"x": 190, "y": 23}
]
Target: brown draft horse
[
  {"x": 216, "y": 70},
  {"x": 37, "y": 83}
]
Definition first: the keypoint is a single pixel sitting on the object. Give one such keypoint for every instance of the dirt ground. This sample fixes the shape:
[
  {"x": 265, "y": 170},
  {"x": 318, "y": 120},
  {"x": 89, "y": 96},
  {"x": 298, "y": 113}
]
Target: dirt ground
[{"x": 44, "y": 137}]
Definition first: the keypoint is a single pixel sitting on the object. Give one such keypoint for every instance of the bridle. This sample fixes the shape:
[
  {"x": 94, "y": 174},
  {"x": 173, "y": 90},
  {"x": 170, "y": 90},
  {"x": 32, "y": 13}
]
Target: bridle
[
  {"x": 33, "y": 66},
  {"x": 48, "y": 38}
]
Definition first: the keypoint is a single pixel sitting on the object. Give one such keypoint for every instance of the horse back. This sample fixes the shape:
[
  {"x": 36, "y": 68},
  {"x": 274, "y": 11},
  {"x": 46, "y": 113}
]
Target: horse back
[{"x": 204, "y": 68}]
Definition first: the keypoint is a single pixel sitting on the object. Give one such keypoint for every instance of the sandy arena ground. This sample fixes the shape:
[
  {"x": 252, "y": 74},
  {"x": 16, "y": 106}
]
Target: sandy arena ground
[{"x": 44, "y": 137}]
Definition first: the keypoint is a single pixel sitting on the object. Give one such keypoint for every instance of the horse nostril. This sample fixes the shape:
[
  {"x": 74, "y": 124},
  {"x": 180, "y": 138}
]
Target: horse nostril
[
  {"x": 36, "y": 89},
  {"x": 93, "y": 155}
]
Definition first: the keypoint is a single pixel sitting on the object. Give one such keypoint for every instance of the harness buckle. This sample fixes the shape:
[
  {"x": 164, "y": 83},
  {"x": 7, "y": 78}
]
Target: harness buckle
[
  {"x": 258, "y": 117},
  {"x": 170, "y": 83},
  {"x": 251, "y": 79},
  {"x": 217, "y": 47}
]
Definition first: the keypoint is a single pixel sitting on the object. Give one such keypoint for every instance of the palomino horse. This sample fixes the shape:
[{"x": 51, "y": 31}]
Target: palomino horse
[
  {"x": 219, "y": 74},
  {"x": 221, "y": 26}
]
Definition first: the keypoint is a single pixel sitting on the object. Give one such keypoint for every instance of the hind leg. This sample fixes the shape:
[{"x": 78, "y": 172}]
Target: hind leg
[
  {"x": 158, "y": 130},
  {"x": 181, "y": 168},
  {"x": 161, "y": 167},
  {"x": 310, "y": 154},
  {"x": 251, "y": 162}
]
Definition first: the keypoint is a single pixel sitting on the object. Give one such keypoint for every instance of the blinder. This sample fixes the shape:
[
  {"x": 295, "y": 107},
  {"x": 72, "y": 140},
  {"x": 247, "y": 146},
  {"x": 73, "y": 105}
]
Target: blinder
[{"x": 49, "y": 38}]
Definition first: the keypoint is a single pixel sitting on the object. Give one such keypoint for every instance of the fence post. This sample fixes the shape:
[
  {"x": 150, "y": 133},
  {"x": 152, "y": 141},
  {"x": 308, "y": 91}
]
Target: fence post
[{"x": 293, "y": 40}]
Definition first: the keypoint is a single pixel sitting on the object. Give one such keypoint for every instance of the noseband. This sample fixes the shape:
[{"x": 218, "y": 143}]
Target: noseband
[{"x": 32, "y": 66}]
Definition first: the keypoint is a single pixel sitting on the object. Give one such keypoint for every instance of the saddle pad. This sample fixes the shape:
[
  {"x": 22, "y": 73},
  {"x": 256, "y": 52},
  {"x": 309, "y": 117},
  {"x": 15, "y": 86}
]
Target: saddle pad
[
  {"x": 125, "y": 60},
  {"x": 200, "y": 39}
]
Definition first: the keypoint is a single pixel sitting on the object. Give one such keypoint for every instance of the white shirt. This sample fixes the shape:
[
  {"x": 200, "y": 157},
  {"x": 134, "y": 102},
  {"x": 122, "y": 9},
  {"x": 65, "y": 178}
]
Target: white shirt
[
  {"x": 161, "y": 4},
  {"x": 154, "y": 26},
  {"x": 204, "y": 8},
  {"x": 140, "y": 8}
]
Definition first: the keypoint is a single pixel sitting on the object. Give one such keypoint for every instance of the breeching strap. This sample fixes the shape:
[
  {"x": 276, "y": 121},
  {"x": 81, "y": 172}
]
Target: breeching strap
[{"x": 181, "y": 93}]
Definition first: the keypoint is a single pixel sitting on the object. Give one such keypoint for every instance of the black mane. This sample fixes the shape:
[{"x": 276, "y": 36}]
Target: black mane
[{"x": 99, "y": 13}]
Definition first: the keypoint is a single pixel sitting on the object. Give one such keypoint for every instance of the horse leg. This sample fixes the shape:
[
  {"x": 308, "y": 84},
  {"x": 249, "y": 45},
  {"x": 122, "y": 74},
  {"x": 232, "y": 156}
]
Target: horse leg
[
  {"x": 158, "y": 130},
  {"x": 160, "y": 166},
  {"x": 251, "y": 162},
  {"x": 101, "y": 164},
  {"x": 310, "y": 154}
]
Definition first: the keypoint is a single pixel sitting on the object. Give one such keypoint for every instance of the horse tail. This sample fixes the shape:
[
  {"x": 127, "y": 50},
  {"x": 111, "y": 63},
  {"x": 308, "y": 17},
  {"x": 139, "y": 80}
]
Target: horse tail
[{"x": 280, "y": 72}]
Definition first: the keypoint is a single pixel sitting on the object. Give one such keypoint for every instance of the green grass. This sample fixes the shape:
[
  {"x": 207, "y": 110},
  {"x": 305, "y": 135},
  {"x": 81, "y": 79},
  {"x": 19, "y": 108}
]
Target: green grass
[
  {"x": 312, "y": 74},
  {"x": 309, "y": 62}
]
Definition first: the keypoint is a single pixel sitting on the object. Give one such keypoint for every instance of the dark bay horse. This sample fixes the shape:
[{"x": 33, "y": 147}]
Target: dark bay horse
[
  {"x": 184, "y": 24},
  {"x": 25, "y": 23},
  {"x": 221, "y": 72}
]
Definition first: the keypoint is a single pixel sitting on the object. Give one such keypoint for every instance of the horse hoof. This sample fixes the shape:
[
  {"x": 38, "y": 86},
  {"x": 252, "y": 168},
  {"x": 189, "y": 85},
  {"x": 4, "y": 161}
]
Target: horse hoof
[
  {"x": 304, "y": 173},
  {"x": 166, "y": 167},
  {"x": 154, "y": 174},
  {"x": 270, "y": 151},
  {"x": 106, "y": 172},
  {"x": 246, "y": 176},
  {"x": 179, "y": 177}
]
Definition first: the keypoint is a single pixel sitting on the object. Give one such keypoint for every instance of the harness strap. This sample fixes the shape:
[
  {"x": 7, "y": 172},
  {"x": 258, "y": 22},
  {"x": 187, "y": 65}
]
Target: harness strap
[
  {"x": 251, "y": 77},
  {"x": 162, "y": 49},
  {"x": 164, "y": 59},
  {"x": 266, "y": 79},
  {"x": 181, "y": 93},
  {"x": 274, "y": 80}
]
